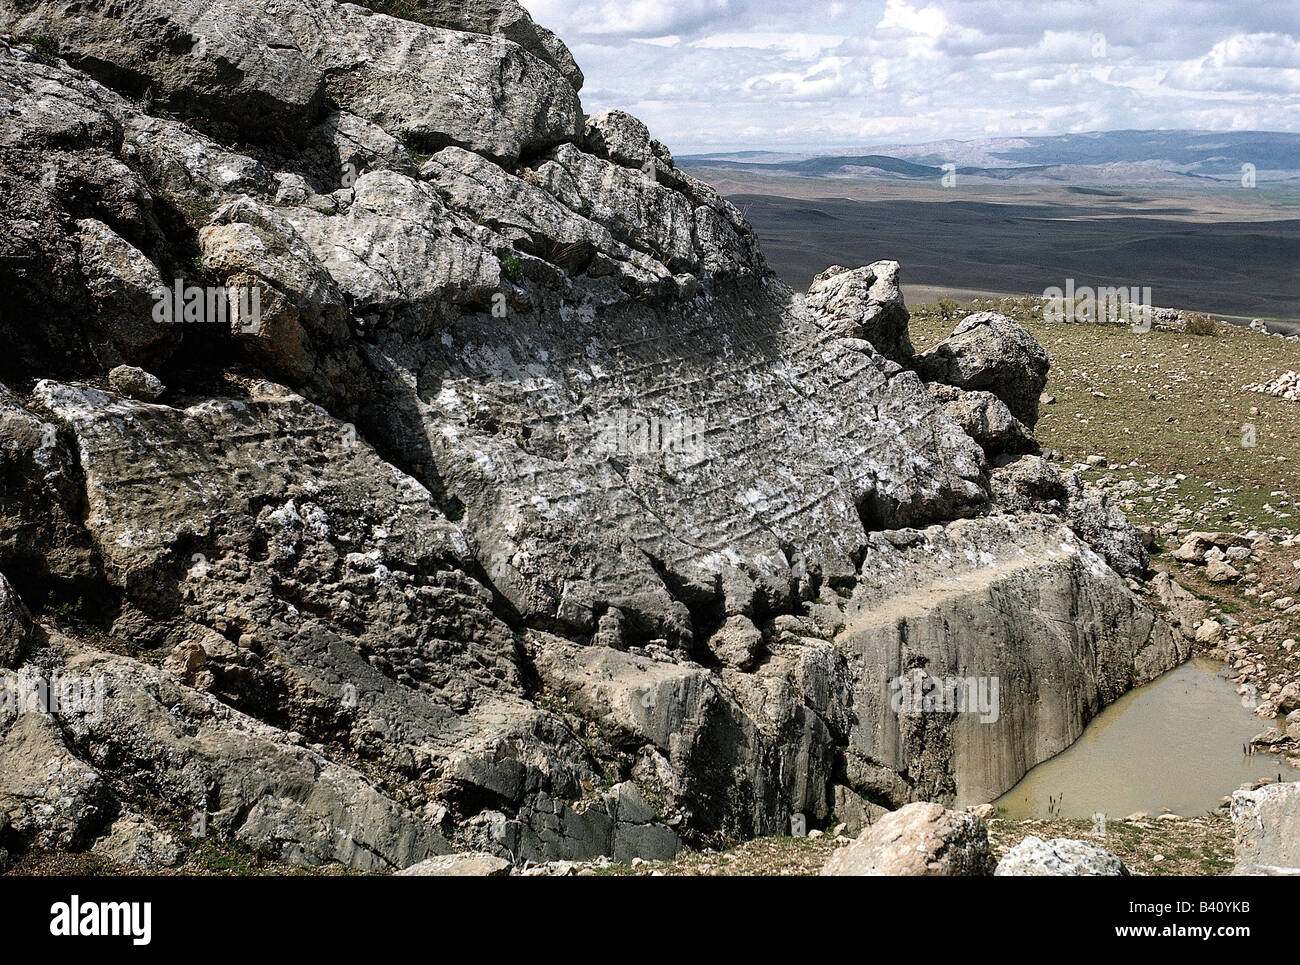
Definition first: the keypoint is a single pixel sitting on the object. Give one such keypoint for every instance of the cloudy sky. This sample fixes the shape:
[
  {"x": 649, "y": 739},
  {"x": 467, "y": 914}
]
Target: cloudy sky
[{"x": 714, "y": 75}]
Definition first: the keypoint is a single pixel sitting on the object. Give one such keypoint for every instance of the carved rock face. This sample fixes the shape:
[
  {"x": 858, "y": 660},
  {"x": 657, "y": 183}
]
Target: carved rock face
[{"x": 529, "y": 513}]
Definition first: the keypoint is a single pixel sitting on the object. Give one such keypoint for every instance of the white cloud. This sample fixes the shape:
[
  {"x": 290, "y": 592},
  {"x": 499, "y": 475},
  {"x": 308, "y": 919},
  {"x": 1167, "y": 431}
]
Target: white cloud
[{"x": 806, "y": 75}]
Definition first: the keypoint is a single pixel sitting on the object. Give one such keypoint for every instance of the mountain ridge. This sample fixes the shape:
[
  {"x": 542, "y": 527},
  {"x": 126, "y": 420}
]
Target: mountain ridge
[{"x": 1094, "y": 157}]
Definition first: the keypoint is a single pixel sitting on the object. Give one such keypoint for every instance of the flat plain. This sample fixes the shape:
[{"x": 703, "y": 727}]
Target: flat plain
[{"x": 1233, "y": 252}]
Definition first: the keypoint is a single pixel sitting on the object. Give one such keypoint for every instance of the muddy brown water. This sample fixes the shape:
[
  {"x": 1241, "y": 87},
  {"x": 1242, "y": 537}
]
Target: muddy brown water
[{"x": 1175, "y": 743}]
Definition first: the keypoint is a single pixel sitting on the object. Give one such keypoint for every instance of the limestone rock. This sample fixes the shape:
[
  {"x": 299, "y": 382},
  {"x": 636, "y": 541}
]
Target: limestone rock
[
  {"x": 1037, "y": 577},
  {"x": 460, "y": 865},
  {"x": 986, "y": 419},
  {"x": 620, "y": 137},
  {"x": 136, "y": 382},
  {"x": 502, "y": 18},
  {"x": 15, "y": 625},
  {"x": 429, "y": 84},
  {"x": 990, "y": 352},
  {"x": 1288, "y": 700},
  {"x": 1186, "y": 609},
  {"x": 1218, "y": 571},
  {"x": 186, "y": 750},
  {"x": 1266, "y": 824},
  {"x": 528, "y": 475},
  {"x": 917, "y": 840},
  {"x": 53, "y": 799},
  {"x": 1059, "y": 856},
  {"x": 736, "y": 642},
  {"x": 1210, "y": 631},
  {"x": 137, "y": 842},
  {"x": 864, "y": 303},
  {"x": 620, "y": 825},
  {"x": 1031, "y": 483},
  {"x": 41, "y": 534},
  {"x": 854, "y": 811}
]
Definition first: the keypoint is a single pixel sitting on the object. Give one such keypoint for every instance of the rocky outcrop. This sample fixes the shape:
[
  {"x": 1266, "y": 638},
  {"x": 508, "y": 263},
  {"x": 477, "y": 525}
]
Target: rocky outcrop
[
  {"x": 1057, "y": 857},
  {"x": 919, "y": 840},
  {"x": 270, "y": 69},
  {"x": 489, "y": 493},
  {"x": 135, "y": 842},
  {"x": 1032, "y": 484},
  {"x": 503, "y": 18}
]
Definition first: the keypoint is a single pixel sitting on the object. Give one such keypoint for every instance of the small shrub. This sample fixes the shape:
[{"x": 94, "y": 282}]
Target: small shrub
[
  {"x": 1201, "y": 325},
  {"x": 45, "y": 50},
  {"x": 401, "y": 9},
  {"x": 64, "y": 611},
  {"x": 948, "y": 308},
  {"x": 512, "y": 267}
]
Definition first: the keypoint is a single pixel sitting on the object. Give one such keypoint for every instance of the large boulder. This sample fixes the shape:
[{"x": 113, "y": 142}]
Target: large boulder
[
  {"x": 504, "y": 18},
  {"x": 1034, "y": 602},
  {"x": 623, "y": 139},
  {"x": 986, "y": 419},
  {"x": 1266, "y": 826},
  {"x": 1059, "y": 856},
  {"x": 460, "y": 865},
  {"x": 917, "y": 840},
  {"x": 989, "y": 352},
  {"x": 136, "y": 842},
  {"x": 864, "y": 303}
]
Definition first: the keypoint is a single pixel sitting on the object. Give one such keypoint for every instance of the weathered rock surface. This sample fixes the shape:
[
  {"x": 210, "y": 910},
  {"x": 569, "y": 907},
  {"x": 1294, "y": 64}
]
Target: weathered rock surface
[
  {"x": 52, "y": 798},
  {"x": 1032, "y": 484},
  {"x": 1059, "y": 856},
  {"x": 1266, "y": 825},
  {"x": 137, "y": 842},
  {"x": 917, "y": 840},
  {"x": 990, "y": 352},
  {"x": 136, "y": 382},
  {"x": 528, "y": 514},
  {"x": 461, "y": 865},
  {"x": 1036, "y": 604},
  {"x": 15, "y": 625},
  {"x": 504, "y": 18},
  {"x": 864, "y": 303},
  {"x": 986, "y": 419},
  {"x": 272, "y": 68}
]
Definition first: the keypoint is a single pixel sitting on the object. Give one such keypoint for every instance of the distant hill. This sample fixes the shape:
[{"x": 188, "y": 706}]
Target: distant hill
[{"x": 1109, "y": 157}]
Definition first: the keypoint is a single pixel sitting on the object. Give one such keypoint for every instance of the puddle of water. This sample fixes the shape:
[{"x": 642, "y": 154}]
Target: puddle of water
[{"x": 1174, "y": 743}]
